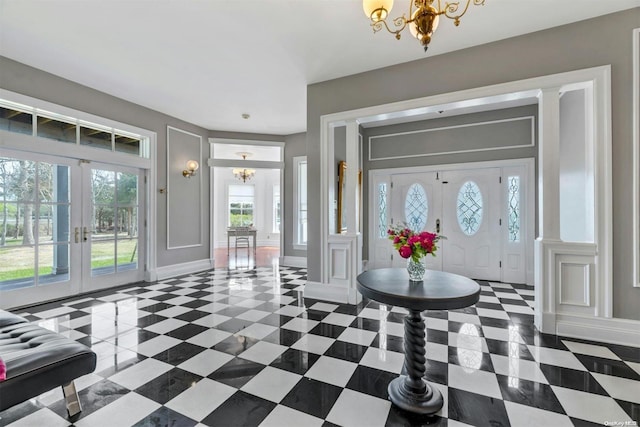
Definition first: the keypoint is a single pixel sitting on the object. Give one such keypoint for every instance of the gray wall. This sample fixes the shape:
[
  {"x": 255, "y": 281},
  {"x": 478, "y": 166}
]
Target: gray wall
[
  {"x": 294, "y": 145},
  {"x": 447, "y": 139},
  {"x": 20, "y": 78},
  {"x": 551, "y": 51}
]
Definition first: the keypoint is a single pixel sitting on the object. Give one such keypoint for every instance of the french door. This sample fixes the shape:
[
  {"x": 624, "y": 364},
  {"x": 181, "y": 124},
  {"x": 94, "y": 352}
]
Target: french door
[{"x": 67, "y": 226}]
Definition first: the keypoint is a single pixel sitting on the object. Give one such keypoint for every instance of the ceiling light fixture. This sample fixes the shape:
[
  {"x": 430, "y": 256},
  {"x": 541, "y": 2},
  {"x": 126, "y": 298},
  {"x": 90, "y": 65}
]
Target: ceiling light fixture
[
  {"x": 422, "y": 21},
  {"x": 244, "y": 174}
]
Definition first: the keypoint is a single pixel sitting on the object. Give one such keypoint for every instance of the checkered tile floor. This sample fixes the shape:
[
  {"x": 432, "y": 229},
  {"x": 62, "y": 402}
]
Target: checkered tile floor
[{"x": 244, "y": 348}]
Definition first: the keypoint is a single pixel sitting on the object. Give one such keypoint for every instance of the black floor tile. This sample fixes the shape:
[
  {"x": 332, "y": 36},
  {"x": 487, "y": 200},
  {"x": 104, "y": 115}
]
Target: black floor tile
[
  {"x": 346, "y": 351},
  {"x": 312, "y": 397},
  {"x": 166, "y": 386},
  {"x": 295, "y": 361},
  {"x": 476, "y": 410},
  {"x": 241, "y": 410},
  {"x": 237, "y": 372},
  {"x": 572, "y": 378},
  {"x": 529, "y": 393},
  {"x": 165, "y": 417},
  {"x": 371, "y": 381}
]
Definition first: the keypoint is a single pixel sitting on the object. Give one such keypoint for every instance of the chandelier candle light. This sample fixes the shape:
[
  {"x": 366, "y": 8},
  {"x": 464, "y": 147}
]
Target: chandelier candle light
[
  {"x": 414, "y": 247},
  {"x": 422, "y": 21}
]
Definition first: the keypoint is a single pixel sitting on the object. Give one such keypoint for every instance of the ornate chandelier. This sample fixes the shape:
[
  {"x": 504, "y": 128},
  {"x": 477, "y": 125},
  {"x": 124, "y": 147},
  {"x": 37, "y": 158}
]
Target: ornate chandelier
[
  {"x": 244, "y": 174},
  {"x": 422, "y": 21}
]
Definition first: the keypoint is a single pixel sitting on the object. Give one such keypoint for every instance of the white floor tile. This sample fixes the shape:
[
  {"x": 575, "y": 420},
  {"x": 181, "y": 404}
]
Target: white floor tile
[
  {"x": 509, "y": 335},
  {"x": 519, "y": 368},
  {"x": 485, "y": 312},
  {"x": 331, "y": 370},
  {"x": 156, "y": 345},
  {"x": 140, "y": 373},
  {"x": 257, "y": 330},
  {"x": 619, "y": 388},
  {"x": 590, "y": 407},
  {"x": 357, "y": 336},
  {"x": 392, "y": 328},
  {"x": 527, "y": 416},
  {"x": 469, "y": 342},
  {"x": 200, "y": 400},
  {"x": 552, "y": 356},
  {"x": 209, "y": 338},
  {"x": 283, "y": 416},
  {"x": 300, "y": 325},
  {"x": 439, "y": 352},
  {"x": 522, "y": 309},
  {"x": 437, "y": 324},
  {"x": 348, "y": 410},
  {"x": 42, "y": 417},
  {"x": 263, "y": 352},
  {"x": 474, "y": 380},
  {"x": 290, "y": 310},
  {"x": 272, "y": 384},
  {"x": 173, "y": 311},
  {"x": 205, "y": 362},
  {"x": 253, "y": 315},
  {"x": 323, "y": 306},
  {"x": 313, "y": 343},
  {"x": 591, "y": 350},
  {"x": 211, "y": 321},
  {"x": 383, "y": 359},
  {"x": 373, "y": 313},
  {"x": 464, "y": 318},
  {"x": 165, "y": 326},
  {"x": 339, "y": 319},
  {"x": 127, "y": 410}
]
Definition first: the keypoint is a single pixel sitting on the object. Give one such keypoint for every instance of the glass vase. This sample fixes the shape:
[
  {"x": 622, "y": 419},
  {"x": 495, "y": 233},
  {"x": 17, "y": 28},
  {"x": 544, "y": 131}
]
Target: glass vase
[{"x": 416, "y": 270}]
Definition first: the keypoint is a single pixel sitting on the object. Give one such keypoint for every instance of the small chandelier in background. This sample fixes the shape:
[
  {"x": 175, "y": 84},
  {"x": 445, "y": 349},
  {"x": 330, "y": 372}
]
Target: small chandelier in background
[
  {"x": 244, "y": 174},
  {"x": 422, "y": 22}
]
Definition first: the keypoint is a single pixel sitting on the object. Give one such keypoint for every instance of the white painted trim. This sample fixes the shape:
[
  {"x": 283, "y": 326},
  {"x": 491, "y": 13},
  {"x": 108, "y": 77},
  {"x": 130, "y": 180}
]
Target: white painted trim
[
  {"x": 168, "y": 191},
  {"x": 615, "y": 331},
  {"x": 183, "y": 268},
  {"x": 215, "y": 140},
  {"x": 293, "y": 261},
  {"x": 333, "y": 293},
  {"x": 440, "y": 153},
  {"x": 599, "y": 77},
  {"x": 635, "y": 199},
  {"x": 297, "y": 160}
]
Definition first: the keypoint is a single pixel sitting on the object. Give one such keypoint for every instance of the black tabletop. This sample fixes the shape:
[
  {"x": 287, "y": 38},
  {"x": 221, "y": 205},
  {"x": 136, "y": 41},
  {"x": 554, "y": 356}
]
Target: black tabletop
[{"x": 438, "y": 291}]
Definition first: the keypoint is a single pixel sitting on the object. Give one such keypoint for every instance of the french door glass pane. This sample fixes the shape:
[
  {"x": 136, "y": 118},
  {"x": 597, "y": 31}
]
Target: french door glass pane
[
  {"x": 34, "y": 216},
  {"x": 103, "y": 257}
]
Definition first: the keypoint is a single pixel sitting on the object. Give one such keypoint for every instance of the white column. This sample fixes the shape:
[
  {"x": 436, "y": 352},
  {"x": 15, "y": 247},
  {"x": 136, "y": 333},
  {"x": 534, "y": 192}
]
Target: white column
[
  {"x": 549, "y": 164},
  {"x": 548, "y": 208},
  {"x": 351, "y": 187}
]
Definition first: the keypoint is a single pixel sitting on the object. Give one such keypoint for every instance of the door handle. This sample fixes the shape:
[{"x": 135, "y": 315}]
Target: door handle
[
  {"x": 76, "y": 233},
  {"x": 85, "y": 233},
  {"x": 438, "y": 225}
]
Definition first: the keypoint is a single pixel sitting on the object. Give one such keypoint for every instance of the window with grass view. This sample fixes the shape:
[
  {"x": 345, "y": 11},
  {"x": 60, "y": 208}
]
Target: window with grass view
[{"x": 241, "y": 204}]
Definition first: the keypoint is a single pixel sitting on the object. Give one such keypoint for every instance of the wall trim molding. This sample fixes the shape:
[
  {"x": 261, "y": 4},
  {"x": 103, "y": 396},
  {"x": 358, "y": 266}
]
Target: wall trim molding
[
  {"x": 168, "y": 271},
  {"x": 441, "y": 153},
  {"x": 293, "y": 261},
  {"x": 635, "y": 198},
  {"x": 610, "y": 330}
]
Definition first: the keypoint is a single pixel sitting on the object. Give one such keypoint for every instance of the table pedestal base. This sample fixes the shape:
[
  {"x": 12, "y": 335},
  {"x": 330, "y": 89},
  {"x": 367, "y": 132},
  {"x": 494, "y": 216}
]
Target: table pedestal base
[
  {"x": 411, "y": 392},
  {"x": 428, "y": 401}
]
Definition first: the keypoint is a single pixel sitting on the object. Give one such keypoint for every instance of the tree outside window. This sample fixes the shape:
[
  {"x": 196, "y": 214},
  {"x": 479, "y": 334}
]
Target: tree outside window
[{"x": 241, "y": 203}]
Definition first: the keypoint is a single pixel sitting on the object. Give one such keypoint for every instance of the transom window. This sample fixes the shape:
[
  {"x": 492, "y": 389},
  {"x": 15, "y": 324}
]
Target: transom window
[{"x": 469, "y": 208}]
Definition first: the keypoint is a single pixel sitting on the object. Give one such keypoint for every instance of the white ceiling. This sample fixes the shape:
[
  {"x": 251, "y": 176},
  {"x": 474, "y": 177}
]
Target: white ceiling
[{"x": 209, "y": 61}]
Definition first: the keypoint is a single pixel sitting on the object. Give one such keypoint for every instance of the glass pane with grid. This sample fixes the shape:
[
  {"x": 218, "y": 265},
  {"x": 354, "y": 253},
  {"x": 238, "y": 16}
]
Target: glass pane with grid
[
  {"x": 416, "y": 207},
  {"x": 382, "y": 210},
  {"x": 469, "y": 208},
  {"x": 514, "y": 208}
]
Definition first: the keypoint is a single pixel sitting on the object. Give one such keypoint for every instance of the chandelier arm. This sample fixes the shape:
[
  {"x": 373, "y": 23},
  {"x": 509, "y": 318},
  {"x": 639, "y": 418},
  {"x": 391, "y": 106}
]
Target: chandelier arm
[
  {"x": 399, "y": 22},
  {"x": 450, "y": 9}
]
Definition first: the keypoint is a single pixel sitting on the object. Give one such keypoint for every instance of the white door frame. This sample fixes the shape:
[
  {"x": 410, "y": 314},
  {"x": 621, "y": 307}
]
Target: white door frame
[{"x": 588, "y": 265}]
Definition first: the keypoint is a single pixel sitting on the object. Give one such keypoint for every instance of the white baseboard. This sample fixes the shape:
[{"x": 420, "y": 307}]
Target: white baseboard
[
  {"x": 294, "y": 261},
  {"x": 165, "y": 272},
  {"x": 333, "y": 293},
  {"x": 609, "y": 330}
]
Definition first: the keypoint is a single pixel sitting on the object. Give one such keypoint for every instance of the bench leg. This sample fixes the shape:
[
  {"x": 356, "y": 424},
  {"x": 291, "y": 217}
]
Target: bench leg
[{"x": 71, "y": 399}]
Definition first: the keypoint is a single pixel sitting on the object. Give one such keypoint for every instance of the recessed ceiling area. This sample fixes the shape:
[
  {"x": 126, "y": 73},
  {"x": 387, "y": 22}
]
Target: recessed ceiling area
[{"x": 209, "y": 62}]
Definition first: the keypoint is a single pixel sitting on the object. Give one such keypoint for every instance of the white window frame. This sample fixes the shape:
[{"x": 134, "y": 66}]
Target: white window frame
[
  {"x": 297, "y": 162},
  {"x": 275, "y": 208},
  {"x": 229, "y": 195}
]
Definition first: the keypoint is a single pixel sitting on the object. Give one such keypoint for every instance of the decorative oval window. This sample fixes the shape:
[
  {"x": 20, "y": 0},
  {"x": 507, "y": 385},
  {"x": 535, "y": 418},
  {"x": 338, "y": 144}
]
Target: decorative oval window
[
  {"x": 416, "y": 207},
  {"x": 469, "y": 208}
]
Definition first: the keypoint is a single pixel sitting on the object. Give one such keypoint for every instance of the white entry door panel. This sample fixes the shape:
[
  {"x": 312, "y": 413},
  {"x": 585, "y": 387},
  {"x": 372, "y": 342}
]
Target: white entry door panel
[
  {"x": 471, "y": 206},
  {"x": 416, "y": 201}
]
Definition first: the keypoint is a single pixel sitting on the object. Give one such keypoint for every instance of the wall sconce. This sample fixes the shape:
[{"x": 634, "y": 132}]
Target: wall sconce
[{"x": 192, "y": 167}]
